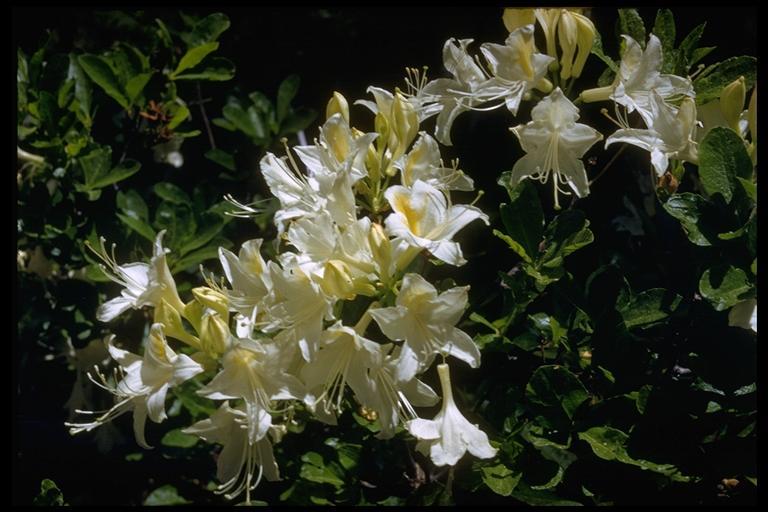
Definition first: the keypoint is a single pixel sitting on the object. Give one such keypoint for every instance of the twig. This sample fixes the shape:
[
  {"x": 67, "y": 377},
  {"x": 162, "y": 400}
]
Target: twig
[
  {"x": 205, "y": 116},
  {"x": 608, "y": 165}
]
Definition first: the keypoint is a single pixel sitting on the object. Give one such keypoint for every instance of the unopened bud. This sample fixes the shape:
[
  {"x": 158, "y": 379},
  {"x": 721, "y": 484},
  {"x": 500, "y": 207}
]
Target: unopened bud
[
  {"x": 337, "y": 105},
  {"x": 171, "y": 320},
  {"x": 214, "y": 334},
  {"x": 336, "y": 281},
  {"x": 567, "y": 30},
  {"x": 405, "y": 121},
  {"x": 732, "y": 102},
  {"x": 381, "y": 248},
  {"x": 516, "y": 18},
  {"x": 209, "y": 297},
  {"x": 586, "y": 38}
]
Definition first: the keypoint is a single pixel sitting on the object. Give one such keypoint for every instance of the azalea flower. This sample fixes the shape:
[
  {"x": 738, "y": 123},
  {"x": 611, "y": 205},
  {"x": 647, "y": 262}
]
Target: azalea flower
[
  {"x": 247, "y": 274},
  {"x": 145, "y": 383},
  {"x": 393, "y": 399},
  {"x": 422, "y": 218},
  {"x": 343, "y": 358},
  {"x": 639, "y": 74},
  {"x": 426, "y": 321},
  {"x": 423, "y": 163},
  {"x": 672, "y": 134},
  {"x": 251, "y": 371},
  {"x": 448, "y": 437},
  {"x": 144, "y": 285},
  {"x": 555, "y": 142},
  {"x": 240, "y": 455}
]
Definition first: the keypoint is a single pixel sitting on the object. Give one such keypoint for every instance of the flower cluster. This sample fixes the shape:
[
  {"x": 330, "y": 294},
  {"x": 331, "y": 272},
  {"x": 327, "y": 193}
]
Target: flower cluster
[{"x": 353, "y": 220}]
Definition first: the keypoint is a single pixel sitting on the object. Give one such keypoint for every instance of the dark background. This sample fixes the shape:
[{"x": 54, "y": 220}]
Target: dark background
[{"x": 342, "y": 49}]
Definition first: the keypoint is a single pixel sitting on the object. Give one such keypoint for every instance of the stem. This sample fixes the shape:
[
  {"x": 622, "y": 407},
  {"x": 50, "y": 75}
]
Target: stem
[
  {"x": 205, "y": 116},
  {"x": 365, "y": 319},
  {"x": 608, "y": 165}
]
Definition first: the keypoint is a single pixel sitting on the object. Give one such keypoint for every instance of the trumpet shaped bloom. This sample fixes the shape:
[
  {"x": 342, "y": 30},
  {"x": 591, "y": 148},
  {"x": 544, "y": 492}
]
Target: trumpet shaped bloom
[
  {"x": 423, "y": 163},
  {"x": 672, "y": 134},
  {"x": 145, "y": 383},
  {"x": 240, "y": 455},
  {"x": 555, "y": 142},
  {"x": 422, "y": 218},
  {"x": 426, "y": 321},
  {"x": 144, "y": 284},
  {"x": 449, "y": 436}
]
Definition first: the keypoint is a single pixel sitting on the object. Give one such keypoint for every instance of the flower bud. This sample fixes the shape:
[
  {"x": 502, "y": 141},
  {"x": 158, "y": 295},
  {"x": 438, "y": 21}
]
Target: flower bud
[
  {"x": 214, "y": 334},
  {"x": 586, "y": 38},
  {"x": 567, "y": 30},
  {"x": 732, "y": 102},
  {"x": 516, "y": 18},
  {"x": 548, "y": 19},
  {"x": 405, "y": 123},
  {"x": 336, "y": 281},
  {"x": 193, "y": 312},
  {"x": 171, "y": 320},
  {"x": 209, "y": 297},
  {"x": 337, "y": 105},
  {"x": 381, "y": 248}
]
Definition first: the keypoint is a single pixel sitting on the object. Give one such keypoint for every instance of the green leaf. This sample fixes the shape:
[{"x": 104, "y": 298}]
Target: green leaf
[
  {"x": 178, "y": 220},
  {"x": 610, "y": 444},
  {"x": 709, "y": 84},
  {"x": 171, "y": 193},
  {"x": 523, "y": 218},
  {"x": 500, "y": 479},
  {"x": 132, "y": 204},
  {"x": 664, "y": 29},
  {"x": 631, "y": 24},
  {"x": 285, "y": 93},
  {"x": 690, "y": 43},
  {"x": 249, "y": 122},
  {"x": 222, "y": 158},
  {"x": 533, "y": 497},
  {"x": 597, "y": 50},
  {"x": 348, "y": 454},
  {"x": 567, "y": 233},
  {"x": 296, "y": 121},
  {"x": 102, "y": 75},
  {"x": 139, "y": 226},
  {"x": 136, "y": 85},
  {"x": 212, "y": 227},
  {"x": 193, "y": 259},
  {"x": 193, "y": 57},
  {"x": 95, "y": 164},
  {"x": 165, "y": 495},
  {"x": 548, "y": 327},
  {"x": 208, "y": 29},
  {"x": 692, "y": 210},
  {"x": 179, "y": 116},
  {"x": 749, "y": 186},
  {"x": 315, "y": 470},
  {"x": 48, "y": 111},
  {"x": 723, "y": 286},
  {"x": 556, "y": 387},
  {"x": 722, "y": 158},
  {"x": 650, "y": 307},
  {"x": 82, "y": 90},
  {"x": 217, "y": 69},
  {"x": 50, "y": 495},
  {"x": 122, "y": 171},
  {"x": 178, "y": 439}
]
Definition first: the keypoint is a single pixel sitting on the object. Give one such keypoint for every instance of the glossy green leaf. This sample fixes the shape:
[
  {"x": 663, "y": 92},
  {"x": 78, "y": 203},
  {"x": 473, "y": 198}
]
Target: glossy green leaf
[
  {"x": 285, "y": 94},
  {"x": 500, "y": 479},
  {"x": 102, "y": 75},
  {"x": 650, "y": 307},
  {"x": 193, "y": 57},
  {"x": 723, "y": 286},
  {"x": 631, "y": 24},
  {"x": 139, "y": 226},
  {"x": 723, "y": 158},
  {"x": 709, "y": 84},
  {"x": 693, "y": 211},
  {"x": 135, "y": 86},
  {"x": 165, "y": 495},
  {"x": 132, "y": 204},
  {"x": 610, "y": 444},
  {"x": 555, "y": 386},
  {"x": 178, "y": 439},
  {"x": 208, "y": 29},
  {"x": 523, "y": 219},
  {"x": 172, "y": 193},
  {"x": 216, "y": 69},
  {"x": 222, "y": 158}
]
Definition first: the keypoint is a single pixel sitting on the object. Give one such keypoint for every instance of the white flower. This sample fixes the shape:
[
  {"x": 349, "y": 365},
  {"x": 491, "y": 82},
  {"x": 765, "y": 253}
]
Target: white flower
[
  {"x": 144, "y": 285},
  {"x": 342, "y": 359},
  {"x": 393, "y": 399},
  {"x": 247, "y": 273},
  {"x": 448, "y": 437},
  {"x": 145, "y": 384},
  {"x": 236, "y": 464},
  {"x": 516, "y": 67},
  {"x": 555, "y": 142},
  {"x": 744, "y": 315},
  {"x": 251, "y": 371},
  {"x": 671, "y": 134},
  {"x": 297, "y": 193},
  {"x": 422, "y": 218},
  {"x": 426, "y": 321},
  {"x": 423, "y": 163}
]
